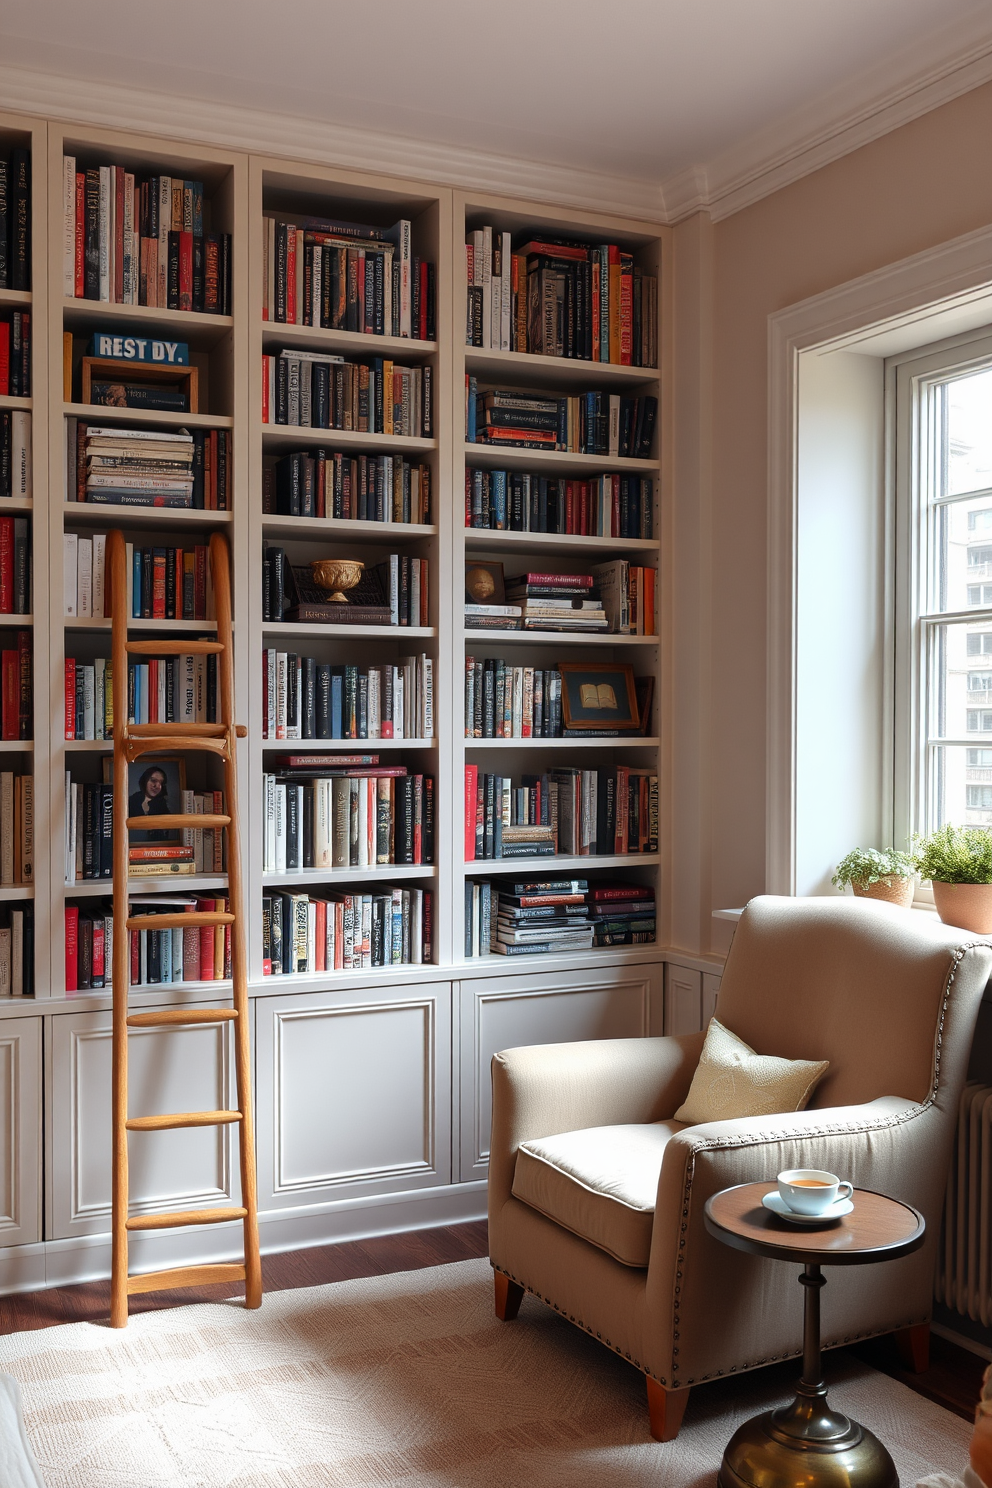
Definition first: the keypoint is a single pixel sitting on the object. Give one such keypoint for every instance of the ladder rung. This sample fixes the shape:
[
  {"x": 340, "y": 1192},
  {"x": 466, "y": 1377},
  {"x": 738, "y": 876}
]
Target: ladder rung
[
  {"x": 206, "y": 730},
  {"x": 183, "y": 1118},
  {"x": 180, "y": 921},
  {"x": 207, "y": 819},
  {"x": 184, "y": 1276},
  {"x": 175, "y": 648},
  {"x": 134, "y": 747},
  {"x": 177, "y": 1217},
  {"x": 176, "y": 1016}
]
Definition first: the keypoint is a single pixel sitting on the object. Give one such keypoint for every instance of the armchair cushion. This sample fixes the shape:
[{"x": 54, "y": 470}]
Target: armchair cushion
[
  {"x": 600, "y": 1183},
  {"x": 732, "y": 1081}
]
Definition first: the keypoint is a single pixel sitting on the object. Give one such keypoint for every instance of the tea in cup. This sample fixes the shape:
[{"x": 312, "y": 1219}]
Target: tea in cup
[{"x": 811, "y": 1191}]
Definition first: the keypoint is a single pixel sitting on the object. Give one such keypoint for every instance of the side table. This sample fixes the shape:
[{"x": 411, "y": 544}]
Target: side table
[{"x": 807, "y": 1442}]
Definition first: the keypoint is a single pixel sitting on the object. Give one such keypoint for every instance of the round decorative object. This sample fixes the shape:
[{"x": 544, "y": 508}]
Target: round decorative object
[
  {"x": 480, "y": 583},
  {"x": 892, "y": 888},
  {"x": 337, "y": 574},
  {"x": 965, "y": 905}
]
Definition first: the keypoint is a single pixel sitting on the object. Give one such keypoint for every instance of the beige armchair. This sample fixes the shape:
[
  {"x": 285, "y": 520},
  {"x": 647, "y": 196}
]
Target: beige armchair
[{"x": 596, "y": 1195}]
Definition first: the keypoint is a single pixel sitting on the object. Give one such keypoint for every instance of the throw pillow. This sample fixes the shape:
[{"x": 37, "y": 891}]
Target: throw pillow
[{"x": 731, "y": 1081}]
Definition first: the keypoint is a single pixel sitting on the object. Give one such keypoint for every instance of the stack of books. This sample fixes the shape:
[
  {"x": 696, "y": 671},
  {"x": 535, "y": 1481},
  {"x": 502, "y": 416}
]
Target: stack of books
[
  {"x": 306, "y": 698},
  {"x": 531, "y": 917},
  {"x": 347, "y": 276},
  {"x": 169, "y": 689},
  {"x": 595, "y": 423},
  {"x": 15, "y": 453},
  {"x": 503, "y": 701},
  {"x": 156, "y": 956},
  {"x": 388, "y": 926},
  {"x": 15, "y": 220},
  {"x": 519, "y": 501},
  {"x": 16, "y": 689},
  {"x": 550, "y": 601},
  {"x": 628, "y": 595},
  {"x": 363, "y": 488},
  {"x": 623, "y": 914},
  {"x": 15, "y": 565},
  {"x": 138, "y": 467},
  {"x": 16, "y": 950},
  {"x": 131, "y": 242},
  {"x": 318, "y": 390},
  {"x": 16, "y": 828},
  {"x": 568, "y": 811},
  {"x": 15, "y": 353},
  {"x": 336, "y": 814}
]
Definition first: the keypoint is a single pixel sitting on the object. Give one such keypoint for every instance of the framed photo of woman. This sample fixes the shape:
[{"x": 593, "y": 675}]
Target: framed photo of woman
[{"x": 155, "y": 787}]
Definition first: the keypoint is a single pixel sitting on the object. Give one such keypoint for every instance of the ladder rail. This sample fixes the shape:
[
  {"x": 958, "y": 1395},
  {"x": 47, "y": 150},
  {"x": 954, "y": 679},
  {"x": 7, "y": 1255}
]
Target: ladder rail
[{"x": 117, "y": 562}]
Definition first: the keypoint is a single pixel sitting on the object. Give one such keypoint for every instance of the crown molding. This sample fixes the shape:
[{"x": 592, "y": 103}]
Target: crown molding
[
  {"x": 270, "y": 133},
  {"x": 829, "y": 128}
]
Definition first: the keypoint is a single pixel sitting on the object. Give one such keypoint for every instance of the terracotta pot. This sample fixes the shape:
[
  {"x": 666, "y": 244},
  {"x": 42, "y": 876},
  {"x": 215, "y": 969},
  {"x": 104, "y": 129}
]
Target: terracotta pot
[
  {"x": 894, "y": 889},
  {"x": 968, "y": 906}
]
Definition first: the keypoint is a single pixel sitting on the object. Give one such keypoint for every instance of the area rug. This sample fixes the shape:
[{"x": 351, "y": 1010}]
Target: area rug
[{"x": 403, "y": 1379}]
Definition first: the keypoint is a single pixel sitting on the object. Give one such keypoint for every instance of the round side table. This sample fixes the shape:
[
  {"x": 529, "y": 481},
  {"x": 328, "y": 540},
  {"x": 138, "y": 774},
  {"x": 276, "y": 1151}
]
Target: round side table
[{"x": 807, "y": 1442}]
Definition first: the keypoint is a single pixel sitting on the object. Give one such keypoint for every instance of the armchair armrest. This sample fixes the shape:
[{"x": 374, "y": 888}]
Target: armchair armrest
[{"x": 544, "y": 1089}]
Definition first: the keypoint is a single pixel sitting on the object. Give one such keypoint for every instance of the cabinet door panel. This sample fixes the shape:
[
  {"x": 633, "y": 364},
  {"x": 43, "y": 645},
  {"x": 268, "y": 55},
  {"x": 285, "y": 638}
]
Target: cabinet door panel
[
  {"x": 20, "y": 1131},
  {"x": 508, "y": 1012},
  {"x": 683, "y": 999},
  {"x": 353, "y": 1093},
  {"x": 176, "y": 1069}
]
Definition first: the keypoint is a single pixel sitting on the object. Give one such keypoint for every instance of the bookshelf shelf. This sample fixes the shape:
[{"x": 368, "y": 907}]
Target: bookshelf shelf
[
  {"x": 88, "y": 746},
  {"x": 556, "y": 638},
  {"x": 17, "y": 622},
  {"x": 557, "y": 542},
  {"x": 359, "y": 632},
  {"x": 92, "y": 888},
  {"x": 331, "y": 529},
  {"x": 160, "y": 627},
  {"x": 10, "y": 893},
  {"x": 200, "y": 331},
  {"x": 545, "y": 372},
  {"x": 548, "y": 867},
  {"x": 16, "y": 746},
  {"x": 382, "y": 873},
  {"x": 7, "y": 400},
  {"x": 96, "y": 413},
  {"x": 637, "y": 741},
  {"x": 15, "y": 297},
  {"x": 332, "y": 747},
  {"x": 497, "y": 457},
  {"x": 313, "y": 338},
  {"x": 11, "y": 504},
  {"x": 144, "y": 516},
  {"x": 276, "y": 437}
]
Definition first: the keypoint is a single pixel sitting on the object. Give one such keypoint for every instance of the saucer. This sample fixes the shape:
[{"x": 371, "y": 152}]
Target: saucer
[{"x": 775, "y": 1202}]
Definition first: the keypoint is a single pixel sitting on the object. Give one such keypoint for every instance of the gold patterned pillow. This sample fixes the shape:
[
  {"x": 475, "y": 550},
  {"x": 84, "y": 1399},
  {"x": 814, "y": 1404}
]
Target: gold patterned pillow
[{"x": 731, "y": 1081}]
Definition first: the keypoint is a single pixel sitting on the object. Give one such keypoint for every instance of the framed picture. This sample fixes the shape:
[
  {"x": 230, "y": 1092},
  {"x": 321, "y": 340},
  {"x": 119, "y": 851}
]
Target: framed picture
[
  {"x": 484, "y": 583},
  {"x": 599, "y": 697},
  {"x": 155, "y": 787}
]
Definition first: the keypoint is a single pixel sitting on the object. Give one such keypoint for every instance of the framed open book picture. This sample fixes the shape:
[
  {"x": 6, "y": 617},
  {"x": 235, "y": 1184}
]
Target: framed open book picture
[{"x": 599, "y": 697}]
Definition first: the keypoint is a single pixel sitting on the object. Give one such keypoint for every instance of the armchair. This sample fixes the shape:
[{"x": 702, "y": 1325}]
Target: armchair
[{"x": 596, "y": 1194}]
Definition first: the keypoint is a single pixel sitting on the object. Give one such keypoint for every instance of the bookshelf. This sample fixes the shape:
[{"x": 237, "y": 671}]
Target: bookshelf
[{"x": 418, "y": 1035}]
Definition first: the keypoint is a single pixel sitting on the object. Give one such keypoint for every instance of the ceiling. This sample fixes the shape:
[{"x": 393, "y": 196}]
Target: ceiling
[{"x": 650, "y": 90}]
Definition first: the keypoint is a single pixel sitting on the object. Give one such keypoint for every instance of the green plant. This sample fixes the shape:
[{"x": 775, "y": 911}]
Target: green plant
[
  {"x": 955, "y": 855},
  {"x": 866, "y": 865}
]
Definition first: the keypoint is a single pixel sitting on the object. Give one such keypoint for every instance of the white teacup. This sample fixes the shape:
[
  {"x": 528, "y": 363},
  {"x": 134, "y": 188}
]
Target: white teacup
[{"x": 811, "y": 1191}]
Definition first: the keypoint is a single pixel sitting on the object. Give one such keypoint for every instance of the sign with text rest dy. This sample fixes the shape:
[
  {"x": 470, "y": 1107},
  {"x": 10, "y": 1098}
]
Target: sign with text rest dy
[{"x": 112, "y": 344}]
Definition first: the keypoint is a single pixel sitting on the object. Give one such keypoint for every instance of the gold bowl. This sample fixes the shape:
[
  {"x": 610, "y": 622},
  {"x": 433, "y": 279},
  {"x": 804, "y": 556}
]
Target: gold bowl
[{"x": 337, "y": 574}]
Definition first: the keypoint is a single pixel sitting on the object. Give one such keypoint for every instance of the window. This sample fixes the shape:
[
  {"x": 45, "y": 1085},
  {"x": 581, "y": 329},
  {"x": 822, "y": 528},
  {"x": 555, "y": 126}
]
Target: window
[
  {"x": 980, "y": 759},
  {"x": 980, "y": 594},
  {"x": 979, "y": 681},
  {"x": 979, "y": 643},
  {"x": 980, "y": 797},
  {"x": 980, "y": 521}
]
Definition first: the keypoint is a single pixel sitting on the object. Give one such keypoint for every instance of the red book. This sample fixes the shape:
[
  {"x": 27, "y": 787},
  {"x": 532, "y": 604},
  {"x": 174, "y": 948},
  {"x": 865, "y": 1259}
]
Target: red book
[
  {"x": 265, "y": 390},
  {"x": 626, "y": 309},
  {"x": 118, "y": 293},
  {"x": 320, "y": 935},
  {"x": 206, "y": 906},
  {"x": 158, "y": 585},
  {"x": 99, "y": 952},
  {"x": 602, "y": 893},
  {"x": 70, "y": 698},
  {"x": 71, "y": 947},
  {"x": 552, "y": 580},
  {"x": 9, "y": 690},
  {"x": 135, "y": 957},
  {"x": 6, "y": 565},
  {"x": 615, "y": 507},
  {"x": 25, "y": 699},
  {"x": 210, "y": 484},
  {"x": 80, "y": 256},
  {"x": 319, "y": 762},
  {"x": 421, "y": 329},
  {"x": 191, "y": 951},
  {"x": 185, "y": 271},
  {"x": 200, "y": 583},
  {"x": 614, "y": 327},
  {"x": 290, "y": 276},
  {"x": 427, "y": 934},
  {"x": 471, "y": 794},
  {"x": 4, "y": 357}
]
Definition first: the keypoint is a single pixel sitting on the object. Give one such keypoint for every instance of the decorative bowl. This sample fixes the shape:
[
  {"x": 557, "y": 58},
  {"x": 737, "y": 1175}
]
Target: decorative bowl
[{"x": 337, "y": 574}]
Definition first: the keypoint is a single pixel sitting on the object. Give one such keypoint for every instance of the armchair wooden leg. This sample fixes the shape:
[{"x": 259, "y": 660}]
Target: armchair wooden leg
[
  {"x": 508, "y": 1297},
  {"x": 913, "y": 1347},
  {"x": 665, "y": 1410}
]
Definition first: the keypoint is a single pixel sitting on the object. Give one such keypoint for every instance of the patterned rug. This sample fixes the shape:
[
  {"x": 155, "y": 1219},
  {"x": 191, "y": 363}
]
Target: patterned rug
[{"x": 403, "y": 1379}]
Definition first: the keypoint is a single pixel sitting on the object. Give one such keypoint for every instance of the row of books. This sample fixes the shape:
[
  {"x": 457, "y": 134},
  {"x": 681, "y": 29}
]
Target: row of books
[
  {"x": 544, "y": 916},
  {"x": 305, "y": 698},
  {"x": 15, "y": 353},
  {"x": 131, "y": 242},
  {"x": 302, "y": 934},
  {"x": 173, "y": 689},
  {"x": 15, "y": 453},
  {"x": 156, "y": 956},
  {"x": 89, "y": 835},
  {"x": 503, "y": 701},
  {"x": 595, "y": 423},
  {"x": 363, "y": 488},
  {"x": 117, "y": 466},
  {"x": 15, "y": 565},
  {"x": 395, "y": 591},
  {"x": 162, "y": 583},
  {"x": 316, "y": 391},
  {"x": 566, "y": 811},
  {"x": 16, "y": 828},
  {"x": 518, "y": 501},
  {"x": 16, "y": 687},
  {"x": 347, "y": 276},
  {"x": 553, "y": 297},
  {"x": 15, "y": 220},
  {"x": 16, "y": 950},
  {"x": 335, "y": 815}
]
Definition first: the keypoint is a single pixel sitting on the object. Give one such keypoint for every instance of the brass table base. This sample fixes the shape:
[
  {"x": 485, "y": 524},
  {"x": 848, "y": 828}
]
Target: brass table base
[{"x": 804, "y": 1444}]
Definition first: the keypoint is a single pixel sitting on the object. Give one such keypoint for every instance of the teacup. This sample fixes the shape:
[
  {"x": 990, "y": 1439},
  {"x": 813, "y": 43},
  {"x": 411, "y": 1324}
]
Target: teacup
[{"x": 811, "y": 1191}]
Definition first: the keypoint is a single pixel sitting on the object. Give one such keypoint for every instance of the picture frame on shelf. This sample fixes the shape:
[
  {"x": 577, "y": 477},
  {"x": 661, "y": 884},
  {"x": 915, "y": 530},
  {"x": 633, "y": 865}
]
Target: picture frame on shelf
[
  {"x": 598, "y": 696},
  {"x": 151, "y": 798},
  {"x": 109, "y": 382}
]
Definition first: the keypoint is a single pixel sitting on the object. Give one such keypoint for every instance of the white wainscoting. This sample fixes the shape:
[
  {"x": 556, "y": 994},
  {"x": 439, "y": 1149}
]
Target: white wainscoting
[{"x": 20, "y": 1131}]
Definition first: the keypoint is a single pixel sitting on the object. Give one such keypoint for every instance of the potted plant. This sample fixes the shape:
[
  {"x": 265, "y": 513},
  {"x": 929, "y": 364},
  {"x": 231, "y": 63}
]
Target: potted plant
[
  {"x": 958, "y": 862},
  {"x": 875, "y": 874}
]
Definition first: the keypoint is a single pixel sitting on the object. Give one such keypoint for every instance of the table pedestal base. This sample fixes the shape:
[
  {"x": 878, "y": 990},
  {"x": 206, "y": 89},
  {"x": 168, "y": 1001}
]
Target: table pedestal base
[{"x": 804, "y": 1444}]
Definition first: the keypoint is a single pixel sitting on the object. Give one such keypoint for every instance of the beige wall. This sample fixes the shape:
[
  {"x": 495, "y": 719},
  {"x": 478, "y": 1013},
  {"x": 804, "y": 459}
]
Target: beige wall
[{"x": 917, "y": 187}]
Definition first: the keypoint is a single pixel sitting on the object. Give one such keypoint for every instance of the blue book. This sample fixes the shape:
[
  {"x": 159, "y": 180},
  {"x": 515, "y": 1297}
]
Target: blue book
[
  {"x": 337, "y": 703},
  {"x": 498, "y": 499}
]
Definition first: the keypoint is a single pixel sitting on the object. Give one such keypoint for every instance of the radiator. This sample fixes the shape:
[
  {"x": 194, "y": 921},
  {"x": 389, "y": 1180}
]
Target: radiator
[{"x": 964, "y": 1264}]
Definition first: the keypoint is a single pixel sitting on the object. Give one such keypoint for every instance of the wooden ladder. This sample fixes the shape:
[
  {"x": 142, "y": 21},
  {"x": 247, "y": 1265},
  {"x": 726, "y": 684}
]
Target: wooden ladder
[{"x": 130, "y": 742}]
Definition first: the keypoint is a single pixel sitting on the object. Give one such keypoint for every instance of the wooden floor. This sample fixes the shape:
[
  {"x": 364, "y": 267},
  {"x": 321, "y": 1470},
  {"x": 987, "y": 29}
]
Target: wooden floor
[{"x": 953, "y": 1379}]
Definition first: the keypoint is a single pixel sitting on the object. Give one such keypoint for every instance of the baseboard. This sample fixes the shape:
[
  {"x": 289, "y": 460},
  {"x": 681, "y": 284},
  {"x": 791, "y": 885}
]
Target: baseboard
[
  {"x": 971, "y": 1344},
  {"x": 52, "y": 1263}
]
